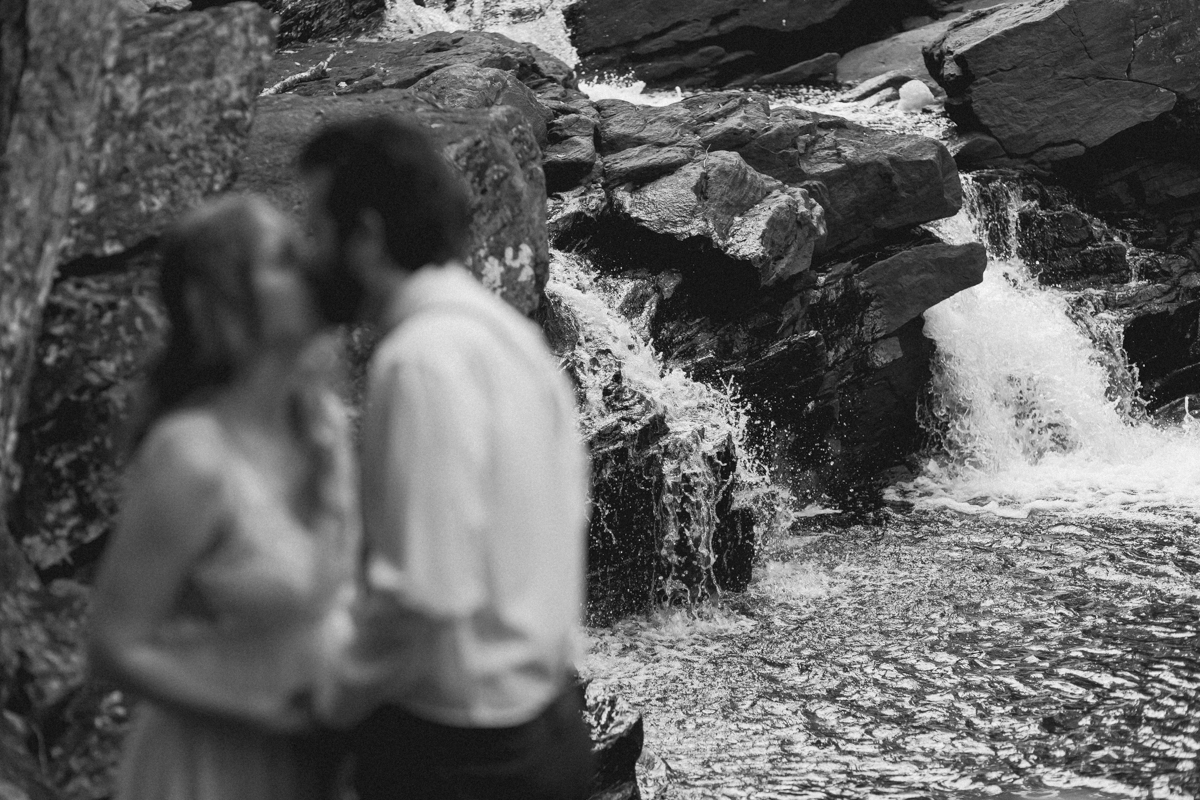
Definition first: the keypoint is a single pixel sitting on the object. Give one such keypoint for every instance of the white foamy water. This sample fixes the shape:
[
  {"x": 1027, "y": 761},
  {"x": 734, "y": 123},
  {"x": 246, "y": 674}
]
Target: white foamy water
[
  {"x": 613, "y": 354},
  {"x": 629, "y": 90},
  {"x": 538, "y": 22},
  {"x": 1025, "y": 409}
]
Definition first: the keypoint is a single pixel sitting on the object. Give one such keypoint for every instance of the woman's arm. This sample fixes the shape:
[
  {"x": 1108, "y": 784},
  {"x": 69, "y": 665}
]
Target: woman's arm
[{"x": 172, "y": 515}]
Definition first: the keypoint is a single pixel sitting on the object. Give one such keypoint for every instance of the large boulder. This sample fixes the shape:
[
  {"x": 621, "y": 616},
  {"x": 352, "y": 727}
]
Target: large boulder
[
  {"x": 1051, "y": 78},
  {"x": 714, "y": 42},
  {"x": 870, "y": 184},
  {"x": 668, "y": 521},
  {"x": 833, "y": 364},
  {"x": 175, "y": 115},
  {"x": 365, "y": 66},
  {"x": 308, "y": 20},
  {"x": 492, "y": 148},
  {"x": 748, "y": 216}
]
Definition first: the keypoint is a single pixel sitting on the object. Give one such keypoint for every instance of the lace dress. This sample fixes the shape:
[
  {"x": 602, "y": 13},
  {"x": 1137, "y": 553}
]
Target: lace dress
[{"x": 262, "y": 610}]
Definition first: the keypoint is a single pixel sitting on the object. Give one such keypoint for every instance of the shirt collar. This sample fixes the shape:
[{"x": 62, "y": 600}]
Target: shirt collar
[{"x": 429, "y": 286}]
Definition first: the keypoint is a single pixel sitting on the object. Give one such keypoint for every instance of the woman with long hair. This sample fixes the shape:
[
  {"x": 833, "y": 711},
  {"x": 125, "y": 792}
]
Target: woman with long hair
[{"x": 221, "y": 594}]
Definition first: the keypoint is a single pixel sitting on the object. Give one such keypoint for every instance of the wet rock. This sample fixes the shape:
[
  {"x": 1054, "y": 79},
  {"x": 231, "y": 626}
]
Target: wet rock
[
  {"x": 310, "y": 20},
  {"x": 492, "y": 148},
  {"x": 903, "y": 52},
  {"x": 624, "y": 125},
  {"x": 64, "y": 48},
  {"x": 469, "y": 86},
  {"x": 100, "y": 334},
  {"x": 666, "y": 522},
  {"x": 804, "y": 71},
  {"x": 748, "y": 216},
  {"x": 645, "y": 162},
  {"x": 974, "y": 150},
  {"x": 175, "y": 116},
  {"x": 617, "y": 735},
  {"x": 1050, "y": 79},
  {"x": 569, "y": 155},
  {"x": 899, "y": 289},
  {"x": 1164, "y": 344},
  {"x": 714, "y": 42},
  {"x": 870, "y": 183},
  {"x": 363, "y": 66},
  {"x": 833, "y": 365},
  {"x": 888, "y": 80}
]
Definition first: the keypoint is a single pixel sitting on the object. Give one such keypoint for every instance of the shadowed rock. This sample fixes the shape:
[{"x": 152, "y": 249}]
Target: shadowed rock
[
  {"x": 469, "y": 86},
  {"x": 870, "y": 184},
  {"x": 356, "y": 67},
  {"x": 900, "y": 288},
  {"x": 747, "y": 215},
  {"x": 714, "y": 42},
  {"x": 308, "y": 20},
  {"x": 1051, "y": 78},
  {"x": 175, "y": 116},
  {"x": 493, "y": 150}
]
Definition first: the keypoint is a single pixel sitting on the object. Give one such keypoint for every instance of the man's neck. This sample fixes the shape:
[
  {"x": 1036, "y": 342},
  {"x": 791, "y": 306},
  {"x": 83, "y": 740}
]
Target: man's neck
[{"x": 388, "y": 308}]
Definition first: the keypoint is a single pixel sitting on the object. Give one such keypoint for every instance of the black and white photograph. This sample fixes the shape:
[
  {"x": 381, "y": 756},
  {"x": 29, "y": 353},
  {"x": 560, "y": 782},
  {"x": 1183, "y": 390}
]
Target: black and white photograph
[{"x": 599, "y": 399}]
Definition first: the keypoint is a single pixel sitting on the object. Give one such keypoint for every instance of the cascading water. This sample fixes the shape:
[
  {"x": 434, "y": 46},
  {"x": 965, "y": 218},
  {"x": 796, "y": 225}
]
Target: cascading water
[
  {"x": 1024, "y": 411},
  {"x": 612, "y": 356}
]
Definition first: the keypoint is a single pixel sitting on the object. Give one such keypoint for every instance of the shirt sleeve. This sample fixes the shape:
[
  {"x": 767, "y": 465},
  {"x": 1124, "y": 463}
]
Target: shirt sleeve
[{"x": 424, "y": 463}]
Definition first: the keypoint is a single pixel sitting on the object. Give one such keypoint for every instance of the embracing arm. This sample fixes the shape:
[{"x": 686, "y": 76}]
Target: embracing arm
[{"x": 172, "y": 515}]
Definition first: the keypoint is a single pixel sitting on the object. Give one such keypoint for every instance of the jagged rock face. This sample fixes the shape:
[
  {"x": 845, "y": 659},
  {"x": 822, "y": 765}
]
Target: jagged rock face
[
  {"x": 309, "y": 20},
  {"x": 493, "y": 149},
  {"x": 362, "y": 66},
  {"x": 833, "y": 365},
  {"x": 869, "y": 184},
  {"x": 747, "y": 215},
  {"x": 468, "y": 86},
  {"x": 713, "y": 42},
  {"x": 100, "y": 334},
  {"x": 1051, "y": 78},
  {"x": 186, "y": 83}
]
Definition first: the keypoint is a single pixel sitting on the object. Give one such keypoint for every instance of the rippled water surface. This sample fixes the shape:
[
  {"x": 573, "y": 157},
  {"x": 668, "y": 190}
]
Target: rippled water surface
[{"x": 938, "y": 656}]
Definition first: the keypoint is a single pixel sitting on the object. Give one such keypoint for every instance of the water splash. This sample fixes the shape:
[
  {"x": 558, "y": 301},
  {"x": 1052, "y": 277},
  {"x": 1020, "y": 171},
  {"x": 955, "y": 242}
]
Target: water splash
[
  {"x": 631, "y": 90},
  {"x": 619, "y": 371},
  {"x": 538, "y": 22},
  {"x": 1024, "y": 409}
]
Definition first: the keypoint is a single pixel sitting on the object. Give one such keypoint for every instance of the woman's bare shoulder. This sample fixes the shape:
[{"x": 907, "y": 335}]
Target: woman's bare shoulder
[{"x": 189, "y": 442}]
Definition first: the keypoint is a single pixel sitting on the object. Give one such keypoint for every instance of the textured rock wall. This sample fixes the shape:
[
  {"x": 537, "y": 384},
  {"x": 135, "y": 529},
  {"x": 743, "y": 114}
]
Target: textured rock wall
[{"x": 1051, "y": 78}]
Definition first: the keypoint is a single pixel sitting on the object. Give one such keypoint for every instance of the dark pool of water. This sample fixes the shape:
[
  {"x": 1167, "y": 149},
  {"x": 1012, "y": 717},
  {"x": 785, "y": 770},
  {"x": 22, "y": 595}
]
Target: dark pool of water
[{"x": 938, "y": 656}]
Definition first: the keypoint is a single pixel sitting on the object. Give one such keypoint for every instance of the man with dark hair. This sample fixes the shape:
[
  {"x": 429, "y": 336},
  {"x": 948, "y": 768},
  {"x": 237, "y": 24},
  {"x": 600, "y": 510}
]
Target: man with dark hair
[{"x": 474, "y": 492}]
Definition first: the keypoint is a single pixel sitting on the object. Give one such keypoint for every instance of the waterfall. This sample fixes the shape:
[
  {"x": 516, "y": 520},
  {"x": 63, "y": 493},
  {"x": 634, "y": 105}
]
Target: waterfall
[
  {"x": 1025, "y": 413},
  {"x": 622, "y": 383}
]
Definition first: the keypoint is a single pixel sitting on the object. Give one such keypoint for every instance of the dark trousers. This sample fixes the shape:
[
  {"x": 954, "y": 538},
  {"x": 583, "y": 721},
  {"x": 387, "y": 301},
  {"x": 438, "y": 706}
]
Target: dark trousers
[{"x": 402, "y": 757}]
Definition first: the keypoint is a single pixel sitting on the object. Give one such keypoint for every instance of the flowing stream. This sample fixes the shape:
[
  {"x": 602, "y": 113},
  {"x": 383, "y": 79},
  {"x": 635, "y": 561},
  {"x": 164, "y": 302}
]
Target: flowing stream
[
  {"x": 1030, "y": 630},
  {"x": 1044, "y": 645},
  {"x": 1028, "y": 414}
]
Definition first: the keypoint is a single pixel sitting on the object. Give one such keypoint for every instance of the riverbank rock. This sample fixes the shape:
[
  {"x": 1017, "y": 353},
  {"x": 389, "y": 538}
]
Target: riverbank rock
[
  {"x": 1051, "y": 78},
  {"x": 310, "y": 20},
  {"x": 746, "y": 215},
  {"x": 714, "y": 42},
  {"x": 365, "y": 66},
  {"x": 667, "y": 523},
  {"x": 493, "y": 149},
  {"x": 870, "y": 184},
  {"x": 175, "y": 115}
]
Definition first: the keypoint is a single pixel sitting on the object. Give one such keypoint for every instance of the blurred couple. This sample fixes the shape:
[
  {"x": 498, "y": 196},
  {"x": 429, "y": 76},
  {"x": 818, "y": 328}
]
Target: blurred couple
[{"x": 289, "y": 623}]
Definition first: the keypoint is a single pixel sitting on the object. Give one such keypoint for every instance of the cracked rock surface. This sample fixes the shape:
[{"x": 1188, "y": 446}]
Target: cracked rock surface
[{"x": 1052, "y": 78}]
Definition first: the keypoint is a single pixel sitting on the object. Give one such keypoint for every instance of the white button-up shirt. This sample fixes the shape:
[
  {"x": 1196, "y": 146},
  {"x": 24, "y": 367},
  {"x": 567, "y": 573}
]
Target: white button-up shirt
[{"x": 475, "y": 483}]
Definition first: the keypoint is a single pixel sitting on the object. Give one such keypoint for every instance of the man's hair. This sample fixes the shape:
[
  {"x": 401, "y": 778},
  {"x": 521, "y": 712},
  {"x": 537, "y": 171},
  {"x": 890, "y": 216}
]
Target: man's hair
[{"x": 393, "y": 167}]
